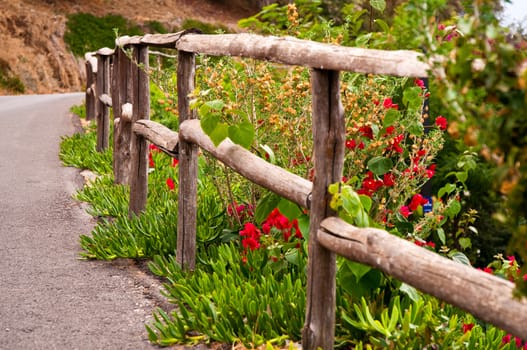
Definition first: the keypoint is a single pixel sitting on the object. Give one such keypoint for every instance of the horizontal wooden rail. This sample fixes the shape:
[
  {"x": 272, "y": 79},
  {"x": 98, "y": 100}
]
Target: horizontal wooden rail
[
  {"x": 486, "y": 296},
  {"x": 254, "y": 168},
  {"x": 158, "y": 134},
  {"x": 312, "y": 54},
  {"x": 154, "y": 40}
]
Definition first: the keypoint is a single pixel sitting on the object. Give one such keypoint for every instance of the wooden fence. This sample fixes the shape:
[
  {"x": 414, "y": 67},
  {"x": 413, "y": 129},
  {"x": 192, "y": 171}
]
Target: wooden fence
[{"x": 126, "y": 89}]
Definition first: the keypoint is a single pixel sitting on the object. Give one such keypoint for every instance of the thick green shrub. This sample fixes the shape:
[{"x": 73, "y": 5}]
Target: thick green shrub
[{"x": 86, "y": 32}]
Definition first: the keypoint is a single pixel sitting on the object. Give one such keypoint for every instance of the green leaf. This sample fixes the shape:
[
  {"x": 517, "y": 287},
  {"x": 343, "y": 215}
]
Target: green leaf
[
  {"x": 363, "y": 40},
  {"x": 416, "y": 129},
  {"x": 441, "y": 235},
  {"x": 453, "y": 209},
  {"x": 357, "y": 269},
  {"x": 289, "y": 209},
  {"x": 459, "y": 257},
  {"x": 465, "y": 242},
  {"x": 462, "y": 176},
  {"x": 292, "y": 256},
  {"x": 209, "y": 122},
  {"x": 379, "y": 5},
  {"x": 448, "y": 188},
  {"x": 380, "y": 165},
  {"x": 216, "y": 105},
  {"x": 219, "y": 133},
  {"x": 412, "y": 97},
  {"x": 266, "y": 204},
  {"x": 366, "y": 202},
  {"x": 391, "y": 116},
  {"x": 362, "y": 219},
  {"x": 383, "y": 25},
  {"x": 410, "y": 291},
  {"x": 242, "y": 134},
  {"x": 351, "y": 201}
]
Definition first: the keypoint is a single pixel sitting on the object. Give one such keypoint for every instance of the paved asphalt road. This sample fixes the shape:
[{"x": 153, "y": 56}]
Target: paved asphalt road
[{"x": 49, "y": 299}]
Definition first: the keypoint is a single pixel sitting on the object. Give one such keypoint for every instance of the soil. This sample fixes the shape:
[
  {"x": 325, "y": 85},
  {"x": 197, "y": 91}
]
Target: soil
[{"x": 32, "y": 31}]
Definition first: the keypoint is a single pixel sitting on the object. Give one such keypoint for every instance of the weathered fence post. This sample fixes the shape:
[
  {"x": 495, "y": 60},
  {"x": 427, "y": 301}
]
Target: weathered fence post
[
  {"x": 122, "y": 125},
  {"x": 188, "y": 166},
  {"x": 328, "y": 138},
  {"x": 103, "y": 87},
  {"x": 91, "y": 78},
  {"x": 138, "y": 144}
]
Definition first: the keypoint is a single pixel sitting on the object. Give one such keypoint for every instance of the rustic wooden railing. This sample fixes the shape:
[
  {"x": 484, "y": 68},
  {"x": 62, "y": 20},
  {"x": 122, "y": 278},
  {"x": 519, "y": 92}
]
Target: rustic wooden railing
[{"x": 122, "y": 75}]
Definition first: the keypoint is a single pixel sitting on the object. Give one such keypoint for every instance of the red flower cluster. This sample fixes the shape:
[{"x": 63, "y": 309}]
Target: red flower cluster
[
  {"x": 170, "y": 184},
  {"x": 251, "y": 236},
  {"x": 416, "y": 201},
  {"x": 420, "y": 83},
  {"x": 152, "y": 148},
  {"x": 394, "y": 144},
  {"x": 425, "y": 244},
  {"x": 366, "y": 131},
  {"x": 276, "y": 222},
  {"x": 281, "y": 223},
  {"x": 508, "y": 338},
  {"x": 370, "y": 185},
  {"x": 388, "y": 103},
  {"x": 242, "y": 211},
  {"x": 352, "y": 144},
  {"x": 467, "y": 327},
  {"x": 441, "y": 122}
]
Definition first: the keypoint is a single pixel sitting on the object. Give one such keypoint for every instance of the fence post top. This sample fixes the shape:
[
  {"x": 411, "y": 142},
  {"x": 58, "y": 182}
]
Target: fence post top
[
  {"x": 105, "y": 51},
  {"x": 92, "y": 60}
]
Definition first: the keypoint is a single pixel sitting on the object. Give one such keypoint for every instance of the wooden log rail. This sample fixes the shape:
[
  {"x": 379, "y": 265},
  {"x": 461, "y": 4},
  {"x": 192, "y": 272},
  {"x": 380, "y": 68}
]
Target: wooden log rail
[
  {"x": 486, "y": 296},
  {"x": 118, "y": 79}
]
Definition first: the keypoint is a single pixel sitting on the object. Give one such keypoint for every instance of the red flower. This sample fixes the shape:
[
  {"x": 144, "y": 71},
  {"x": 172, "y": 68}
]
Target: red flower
[
  {"x": 249, "y": 230},
  {"x": 175, "y": 162},
  {"x": 431, "y": 171},
  {"x": 389, "y": 130},
  {"x": 417, "y": 200},
  {"x": 251, "y": 243},
  {"x": 298, "y": 233},
  {"x": 170, "y": 183},
  {"x": 388, "y": 179},
  {"x": 518, "y": 342},
  {"x": 431, "y": 245},
  {"x": 511, "y": 259},
  {"x": 420, "y": 83},
  {"x": 441, "y": 122},
  {"x": 388, "y": 103},
  {"x": 506, "y": 339},
  {"x": 394, "y": 144},
  {"x": 366, "y": 131},
  {"x": 488, "y": 270},
  {"x": 251, "y": 236},
  {"x": 370, "y": 185},
  {"x": 351, "y": 144},
  {"x": 420, "y": 154},
  {"x": 405, "y": 211},
  {"x": 151, "y": 163},
  {"x": 153, "y": 147},
  {"x": 467, "y": 327},
  {"x": 525, "y": 277}
]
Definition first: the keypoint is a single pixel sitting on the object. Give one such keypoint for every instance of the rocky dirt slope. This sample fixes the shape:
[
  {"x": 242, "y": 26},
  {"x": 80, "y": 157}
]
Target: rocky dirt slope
[{"x": 32, "y": 31}]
